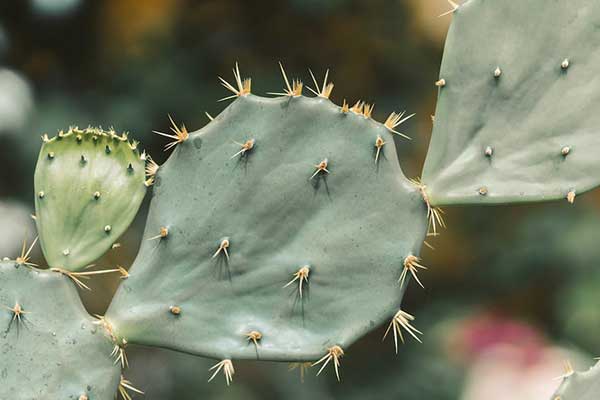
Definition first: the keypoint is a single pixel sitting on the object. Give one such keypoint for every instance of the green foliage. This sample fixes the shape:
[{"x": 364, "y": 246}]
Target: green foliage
[
  {"x": 51, "y": 347},
  {"x": 516, "y": 118},
  {"x": 580, "y": 385},
  {"x": 352, "y": 223},
  {"x": 89, "y": 185}
]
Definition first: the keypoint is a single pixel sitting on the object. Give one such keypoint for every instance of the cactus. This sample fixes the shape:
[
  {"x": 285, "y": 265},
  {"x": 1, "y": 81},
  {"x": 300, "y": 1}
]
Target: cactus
[
  {"x": 52, "y": 348},
  {"x": 579, "y": 385},
  {"x": 516, "y": 119},
  {"x": 89, "y": 184},
  {"x": 269, "y": 230},
  {"x": 285, "y": 229}
]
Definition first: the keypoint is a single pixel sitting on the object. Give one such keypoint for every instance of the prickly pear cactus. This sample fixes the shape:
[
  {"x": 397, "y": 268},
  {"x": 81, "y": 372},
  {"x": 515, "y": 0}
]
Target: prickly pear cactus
[
  {"x": 277, "y": 232},
  {"x": 89, "y": 185},
  {"x": 580, "y": 385},
  {"x": 517, "y": 116},
  {"x": 51, "y": 347}
]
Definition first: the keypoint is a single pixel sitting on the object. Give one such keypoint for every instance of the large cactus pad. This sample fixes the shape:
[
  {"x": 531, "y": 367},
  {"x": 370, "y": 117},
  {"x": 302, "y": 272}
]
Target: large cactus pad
[
  {"x": 517, "y": 116},
  {"x": 50, "y": 347},
  {"x": 273, "y": 190},
  {"x": 89, "y": 185}
]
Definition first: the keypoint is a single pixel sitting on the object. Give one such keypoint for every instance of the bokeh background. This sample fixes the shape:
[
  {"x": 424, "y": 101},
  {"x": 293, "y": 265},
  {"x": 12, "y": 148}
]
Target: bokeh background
[{"x": 511, "y": 290}]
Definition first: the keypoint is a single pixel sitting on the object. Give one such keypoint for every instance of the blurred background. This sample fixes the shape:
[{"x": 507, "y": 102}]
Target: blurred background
[{"x": 511, "y": 291}]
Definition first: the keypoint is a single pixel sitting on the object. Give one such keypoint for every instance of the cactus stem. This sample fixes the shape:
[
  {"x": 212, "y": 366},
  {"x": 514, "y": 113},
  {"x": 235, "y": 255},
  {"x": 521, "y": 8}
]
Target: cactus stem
[
  {"x": 246, "y": 146},
  {"x": 327, "y": 88},
  {"x": 434, "y": 214},
  {"x": 321, "y": 167},
  {"x": 181, "y": 134},
  {"x": 453, "y": 8},
  {"x": 571, "y": 196},
  {"x": 227, "y": 367},
  {"x": 124, "y": 386},
  {"x": 164, "y": 232},
  {"x": 24, "y": 257},
  {"x": 345, "y": 106},
  {"x": 411, "y": 264},
  {"x": 379, "y": 143},
  {"x": 402, "y": 320},
  {"x": 333, "y": 353},
  {"x": 294, "y": 90},
  {"x": 17, "y": 312},
  {"x": 254, "y": 336},
  {"x": 222, "y": 248},
  {"x": 396, "y": 119},
  {"x": 440, "y": 83},
  {"x": 301, "y": 276},
  {"x": 243, "y": 87}
]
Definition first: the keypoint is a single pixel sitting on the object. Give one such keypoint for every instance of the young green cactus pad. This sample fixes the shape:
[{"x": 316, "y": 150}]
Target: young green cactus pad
[
  {"x": 89, "y": 185},
  {"x": 517, "y": 118},
  {"x": 51, "y": 347},
  {"x": 580, "y": 385},
  {"x": 277, "y": 232}
]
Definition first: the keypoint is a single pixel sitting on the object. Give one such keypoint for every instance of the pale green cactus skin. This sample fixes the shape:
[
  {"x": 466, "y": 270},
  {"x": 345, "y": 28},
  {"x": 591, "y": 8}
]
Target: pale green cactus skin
[
  {"x": 580, "y": 385},
  {"x": 89, "y": 185},
  {"x": 521, "y": 78},
  {"x": 353, "y": 227},
  {"x": 56, "y": 350}
]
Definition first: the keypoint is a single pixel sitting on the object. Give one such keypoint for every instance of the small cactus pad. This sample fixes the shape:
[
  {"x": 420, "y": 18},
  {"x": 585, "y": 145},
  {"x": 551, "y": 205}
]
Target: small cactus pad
[
  {"x": 580, "y": 385},
  {"x": 89, "y": 185},
  {"x": 280, "y": 252},
  {"x": 51, "y": 347},
  {"x": 517, "y": 120}
]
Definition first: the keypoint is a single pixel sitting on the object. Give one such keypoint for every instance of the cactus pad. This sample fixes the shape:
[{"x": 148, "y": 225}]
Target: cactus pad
[
  {"x": 517, "y": 119},
  {"x": 89, "y": 185},
  {"x": 312, "y": 203},
  {"x": 580, "y": 385},
  {"x": 51, "y": 347}
]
